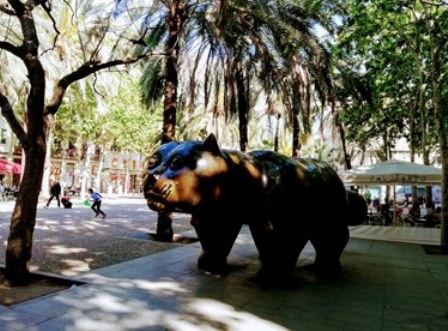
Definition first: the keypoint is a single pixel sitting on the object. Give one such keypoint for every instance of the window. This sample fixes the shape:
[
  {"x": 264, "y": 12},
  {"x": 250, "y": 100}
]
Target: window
[{"x": 3, "y": 136}]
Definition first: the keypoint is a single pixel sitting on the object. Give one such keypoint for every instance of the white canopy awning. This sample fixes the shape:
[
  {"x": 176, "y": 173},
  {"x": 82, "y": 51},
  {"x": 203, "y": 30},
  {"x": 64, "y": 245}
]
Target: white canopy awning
[{"x": 393, "y": 172}]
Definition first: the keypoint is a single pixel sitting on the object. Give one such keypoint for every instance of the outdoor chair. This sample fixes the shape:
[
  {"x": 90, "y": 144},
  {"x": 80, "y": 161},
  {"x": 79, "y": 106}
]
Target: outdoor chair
[
  {"x": 386, "y": 214},
  {"x": 376, "y": 219},
  {"x": 413, "y": 221},
  {"x": 8, "y": 194}
]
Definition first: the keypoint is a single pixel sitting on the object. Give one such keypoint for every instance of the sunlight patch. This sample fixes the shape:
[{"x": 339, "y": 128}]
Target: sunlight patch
[
  {"x": 110, "y": 303},
  {"x": 161, "y": 287},
  {"x": 140, "y": 320},
  {"x": 217, "y": 313},
  {"x": 75, "y": 267},
  {"x": 66, "y": 250}
]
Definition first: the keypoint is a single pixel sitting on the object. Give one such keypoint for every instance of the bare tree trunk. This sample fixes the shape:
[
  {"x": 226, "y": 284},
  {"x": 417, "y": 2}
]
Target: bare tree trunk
[
  {"x": 347, "y": 159},
  {"x": 277, "y": 129},
  {"x": 442, "y": 129},
  {"x": 176, "y": 19},
  {"x": 44, "y": 193},
  {"x": 127, "y": 181},
  {"x": 423, "y": 127},
  {"x": 386, "y": 151},
  {"x": 295, "y": 108},
  {"x": 243, "y": 107},
  {"x": 33, "y": 137},
  {"x": 295, "y": 135},
  {"x": 23, "y": 219},
  {"x": 438, "y": 42},
  {"x": 64, "y": 166},
  {"x": 99, "y": 174},
  {"x": 34, "y": 144},
  {"x": 86, "y": 177}
]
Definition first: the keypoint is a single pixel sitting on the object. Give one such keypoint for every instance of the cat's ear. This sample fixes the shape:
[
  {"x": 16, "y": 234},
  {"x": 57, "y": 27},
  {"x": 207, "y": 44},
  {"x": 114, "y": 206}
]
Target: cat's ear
[
  {"x": 211, "y": 145},
  {"x": 167, "y": 139}
]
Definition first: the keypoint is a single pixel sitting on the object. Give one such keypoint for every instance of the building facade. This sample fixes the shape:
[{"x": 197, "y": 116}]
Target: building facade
[{"x": 106, "y": 171}]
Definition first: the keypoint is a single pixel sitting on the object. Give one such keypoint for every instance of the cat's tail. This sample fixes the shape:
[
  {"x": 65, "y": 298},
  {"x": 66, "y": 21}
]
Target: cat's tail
[{"x": 357, "y": 208}]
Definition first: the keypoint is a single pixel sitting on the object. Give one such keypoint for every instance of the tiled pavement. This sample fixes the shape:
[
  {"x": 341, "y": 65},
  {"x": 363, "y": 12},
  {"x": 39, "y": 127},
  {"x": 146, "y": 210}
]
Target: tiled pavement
[{"x": 385, "y": 285}]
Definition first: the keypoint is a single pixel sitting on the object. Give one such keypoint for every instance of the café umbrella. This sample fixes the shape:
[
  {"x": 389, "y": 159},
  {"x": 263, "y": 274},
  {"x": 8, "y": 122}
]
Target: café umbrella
[
  {"x": 392, "y": 173},
  {"x": 8, "y": 167}
]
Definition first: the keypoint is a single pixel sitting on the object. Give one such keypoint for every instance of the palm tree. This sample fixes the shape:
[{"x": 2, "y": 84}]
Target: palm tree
[
  {"x": 228, "y": 46},
  {"x": 163, "y": 24},
  {"x": 270, "y": 42},
  {"x": 231, "y": 47}
]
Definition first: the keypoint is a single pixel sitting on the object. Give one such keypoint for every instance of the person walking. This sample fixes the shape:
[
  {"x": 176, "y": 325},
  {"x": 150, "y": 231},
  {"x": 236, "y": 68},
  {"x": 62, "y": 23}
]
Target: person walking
[
  {"x": 97, "y": 200},
  {"x": 55, "y": 192}
]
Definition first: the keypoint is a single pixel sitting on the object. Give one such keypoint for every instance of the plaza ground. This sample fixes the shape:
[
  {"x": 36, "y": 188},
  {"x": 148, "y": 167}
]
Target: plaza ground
[{"x": 389, "y": 281}]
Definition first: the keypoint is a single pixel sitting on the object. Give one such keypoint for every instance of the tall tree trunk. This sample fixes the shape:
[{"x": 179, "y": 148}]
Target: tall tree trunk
[
  {"x": 64, "y": 165},
  {"x": 86, "y": 177},
  {"x": 23, "y": 219},
  {"x": 295, "y": 107},
  {"x": 386, "y": 151},
  {"x": 34, "y": 144},
  {"x": 442, "y": 129},
  {"x": 33, "y": 137},
  {"x": 444, "y": 154},
  {"x": 277, "y": 129},
  {"x": 100, "y": 169},
  {"x": 44, "y": 193},
  {"x": 347, "y": 159},
  {"x": 295, "y": 134},
  {"x": 412, "y": 146},
  {"x": 438, "y": 42},
  {"x": 243, "y": 106},
  {"x": 423, "y": 126},
  {"x": 176, "y": 19}
]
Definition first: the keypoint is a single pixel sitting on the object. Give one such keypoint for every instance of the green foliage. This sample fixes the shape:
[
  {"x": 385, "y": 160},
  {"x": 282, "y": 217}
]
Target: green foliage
[
  {"x": 319, "y": 150},
  {"x": 127, "y": 124},
  {"x": 266, "y": 45},
  {"x": 152, "y": 82},
  {"x": 123, "y": 125},
  {"x": 386, "y": 42}
]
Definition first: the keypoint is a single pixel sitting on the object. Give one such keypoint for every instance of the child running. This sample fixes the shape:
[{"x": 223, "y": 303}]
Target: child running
[{"x": 96, "y": 205}]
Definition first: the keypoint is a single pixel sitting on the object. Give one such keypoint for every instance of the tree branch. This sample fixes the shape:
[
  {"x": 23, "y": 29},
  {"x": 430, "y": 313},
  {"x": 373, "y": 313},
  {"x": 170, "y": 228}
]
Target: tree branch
[
  {"x": 10, "y": 117},
  {"x": 17, "y": 51},
  {"x": 18, "y": 6},
  {"x": 85, "y": 70},
  {"x": 47, "y": 7},
  {"x": 5, "y": 9},
  {"x": 23, "y": 13}
]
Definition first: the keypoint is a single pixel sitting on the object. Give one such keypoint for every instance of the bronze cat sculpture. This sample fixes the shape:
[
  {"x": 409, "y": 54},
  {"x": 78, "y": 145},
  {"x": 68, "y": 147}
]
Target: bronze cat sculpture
[
  {"x": 164, "y": 218},
  {"x": 285, "y": 203}
]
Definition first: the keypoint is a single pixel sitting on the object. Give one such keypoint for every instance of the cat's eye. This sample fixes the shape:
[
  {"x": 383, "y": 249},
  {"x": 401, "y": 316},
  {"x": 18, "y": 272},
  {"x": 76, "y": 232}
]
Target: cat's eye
[
  {"x": 177, "y": 163},
  {"x": 153, "y": 162}
]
